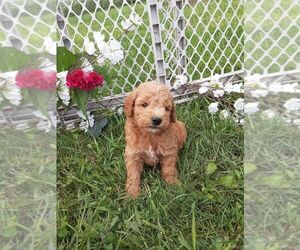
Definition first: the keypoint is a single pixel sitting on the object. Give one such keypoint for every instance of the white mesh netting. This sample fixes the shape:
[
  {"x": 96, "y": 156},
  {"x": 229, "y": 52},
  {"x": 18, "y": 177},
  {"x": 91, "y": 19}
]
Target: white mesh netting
[
  {"x": 27, "y": 25},
  {"x": 272, "y": 36},
  {"x": 197, "y": 39}
]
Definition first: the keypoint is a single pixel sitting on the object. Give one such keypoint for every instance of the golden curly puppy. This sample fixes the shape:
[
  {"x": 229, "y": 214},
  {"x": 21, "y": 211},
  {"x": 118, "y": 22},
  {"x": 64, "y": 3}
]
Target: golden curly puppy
[{"x": 153, "y": 135}]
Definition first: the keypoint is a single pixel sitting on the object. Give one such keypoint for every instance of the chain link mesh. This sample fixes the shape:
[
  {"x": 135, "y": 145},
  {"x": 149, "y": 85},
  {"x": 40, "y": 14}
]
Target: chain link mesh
[
  {"x": 199, "y": 38},
  {"x": 272, "y": 36},
  {"x": 80, "y": 19},
  {"x": 27, "y": 25},
  {"x": 208, "y": 40}
]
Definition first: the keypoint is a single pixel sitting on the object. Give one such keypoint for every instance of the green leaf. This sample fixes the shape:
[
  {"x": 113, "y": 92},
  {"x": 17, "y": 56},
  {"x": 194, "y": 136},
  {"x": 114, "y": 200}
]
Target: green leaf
[
  {"x": 249, "y": 168},
  {"x": 65, "y": 59},
  {"x": 9, "y": 231},
  {"x": 114, "y": 221},
  {"x": 62, "y": 231},
  {"x": 13, "y": 59},
  {"x": 210, "y": 168},
  {"x": 184, "y": 243},
  {"x": 105, "y": 72},
  {"x": 94, "y": 93},
  {"x": 228, "y": 181},
  {"x": 81, "y": 98},
  {"x": 218, "y": 244},
  {"x": 39, "y": 99},
  {"x": 275, "y": 180}
]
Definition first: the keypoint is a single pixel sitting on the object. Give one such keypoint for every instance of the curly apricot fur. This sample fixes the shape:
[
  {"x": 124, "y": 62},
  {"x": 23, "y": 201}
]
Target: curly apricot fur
[{"x": 148, "y": 144}]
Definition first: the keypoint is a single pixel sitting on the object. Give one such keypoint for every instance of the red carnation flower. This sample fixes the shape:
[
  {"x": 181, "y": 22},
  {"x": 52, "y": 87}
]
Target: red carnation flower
[
  {"x": 36, "y": 79},
  {"x": 84, "y": 80}
]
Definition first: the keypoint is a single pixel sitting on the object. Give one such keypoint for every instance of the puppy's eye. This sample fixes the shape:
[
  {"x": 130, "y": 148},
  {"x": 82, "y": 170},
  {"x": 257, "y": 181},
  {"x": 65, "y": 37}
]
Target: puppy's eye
[
  {"x": 167, "y": 108},
  {"x": 145, "y": 105}
]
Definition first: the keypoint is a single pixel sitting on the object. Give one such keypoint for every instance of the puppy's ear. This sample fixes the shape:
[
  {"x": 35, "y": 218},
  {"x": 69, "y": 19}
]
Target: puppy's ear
[
  {"x": 129, "y": 104},
  {"x": 173, "y": 112}
]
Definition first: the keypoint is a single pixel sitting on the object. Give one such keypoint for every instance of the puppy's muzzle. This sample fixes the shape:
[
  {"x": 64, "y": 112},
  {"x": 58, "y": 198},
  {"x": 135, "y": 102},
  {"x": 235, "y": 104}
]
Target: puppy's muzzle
[{"x": 156, "y": 121}]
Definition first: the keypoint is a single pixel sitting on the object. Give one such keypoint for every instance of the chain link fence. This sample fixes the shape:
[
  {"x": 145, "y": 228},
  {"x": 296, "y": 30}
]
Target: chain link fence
[{"x": 197, "y": 39}]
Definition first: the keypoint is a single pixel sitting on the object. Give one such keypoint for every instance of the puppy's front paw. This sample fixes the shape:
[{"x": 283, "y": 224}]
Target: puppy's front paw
[
  {"x": 133, "y": 191},
  {"x": 172, "y": 180}
]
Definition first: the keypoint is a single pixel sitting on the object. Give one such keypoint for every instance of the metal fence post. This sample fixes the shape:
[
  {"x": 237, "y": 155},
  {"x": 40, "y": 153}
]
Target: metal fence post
[
  {"x": 180, "y": 35},
  {"x": 157, "y": 41}
]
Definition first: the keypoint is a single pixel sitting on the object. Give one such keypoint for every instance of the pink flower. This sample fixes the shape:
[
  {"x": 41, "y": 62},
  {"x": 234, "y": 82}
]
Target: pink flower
[
  {"x": 36, "y": 79},
  {"x": 84, "y": 80}
]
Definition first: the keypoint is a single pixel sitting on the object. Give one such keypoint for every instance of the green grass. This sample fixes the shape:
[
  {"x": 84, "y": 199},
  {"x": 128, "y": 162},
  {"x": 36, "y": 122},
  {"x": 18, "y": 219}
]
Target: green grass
[
  {"x": 27, "y": 190},
  {"x": 205, "y": 211},
  {"x": 272, "y": 173}
]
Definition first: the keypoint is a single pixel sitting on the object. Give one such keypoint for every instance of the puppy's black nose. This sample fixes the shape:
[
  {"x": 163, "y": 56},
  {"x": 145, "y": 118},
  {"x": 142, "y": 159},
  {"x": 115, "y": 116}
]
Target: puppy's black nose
[{"x": 156, "y": 121}]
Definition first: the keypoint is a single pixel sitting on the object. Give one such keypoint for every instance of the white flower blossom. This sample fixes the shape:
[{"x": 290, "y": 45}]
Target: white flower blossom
[
  {"x": 206, "y": 84},
  {"x": 287, "y": 120},
  {"x": 86, "y": 122},
  {"x": 86, "y": 65},
  {"x": 180, "y": 80},
  {"x": 239, "y": 104},
  {"x": 203, "y": 90},
  {"x": 10, "y": 90},
  {"x": 63, "y": 91},
  {"x": 130, "y": 23},
  {"x": 127, "y": 25},
  {"x": 101, "y": 44},
  {"x": 135, "y": 19},
  {"x": 236, "y": 88},
  {"x": 116, "y": 56},
  {"x": 278, "y": 87},
  {"x": 254, "y": 81},
  {"x": 259, "y": 92},
  {"x": 213, "y": 107},
  {"x": 269, "y": 113},
  {"x": 215, "y": 81},
  {"x": 100, "y": 60},
  {"x": 228, "y": 87},
  {"x": 224, "y": 114},
  {"x": 111, "y": 51},
  {"x": 89, "y": 46},
  {"x": 218, "y": 93},
  {"x": 120, "y": 111},
  {"x": 292, "y": 104},
  {"x": 12, "y": 93},
  {"x": 296, "y": 122},
  {"x": 251, "y": 108}
]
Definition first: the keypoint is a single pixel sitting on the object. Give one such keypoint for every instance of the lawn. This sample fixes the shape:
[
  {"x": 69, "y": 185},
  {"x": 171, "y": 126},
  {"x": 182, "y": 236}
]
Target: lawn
[
  {"x": 205, "y": 211},
  {"x": 272, "y": 173}
]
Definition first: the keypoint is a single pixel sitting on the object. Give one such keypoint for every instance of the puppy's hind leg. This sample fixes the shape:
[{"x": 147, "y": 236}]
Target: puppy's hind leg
[
  {"x": 169, "y": 171},
  {"x": 134, "y": 169}
]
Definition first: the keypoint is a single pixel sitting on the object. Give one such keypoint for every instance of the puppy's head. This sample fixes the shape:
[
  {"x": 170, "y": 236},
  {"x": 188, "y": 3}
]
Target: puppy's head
[{"x": 151, "y": 107}]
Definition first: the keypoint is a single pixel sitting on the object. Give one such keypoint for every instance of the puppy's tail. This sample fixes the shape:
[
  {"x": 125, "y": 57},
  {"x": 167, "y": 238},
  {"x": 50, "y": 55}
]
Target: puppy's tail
[{"x": 181, "y": 133}]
